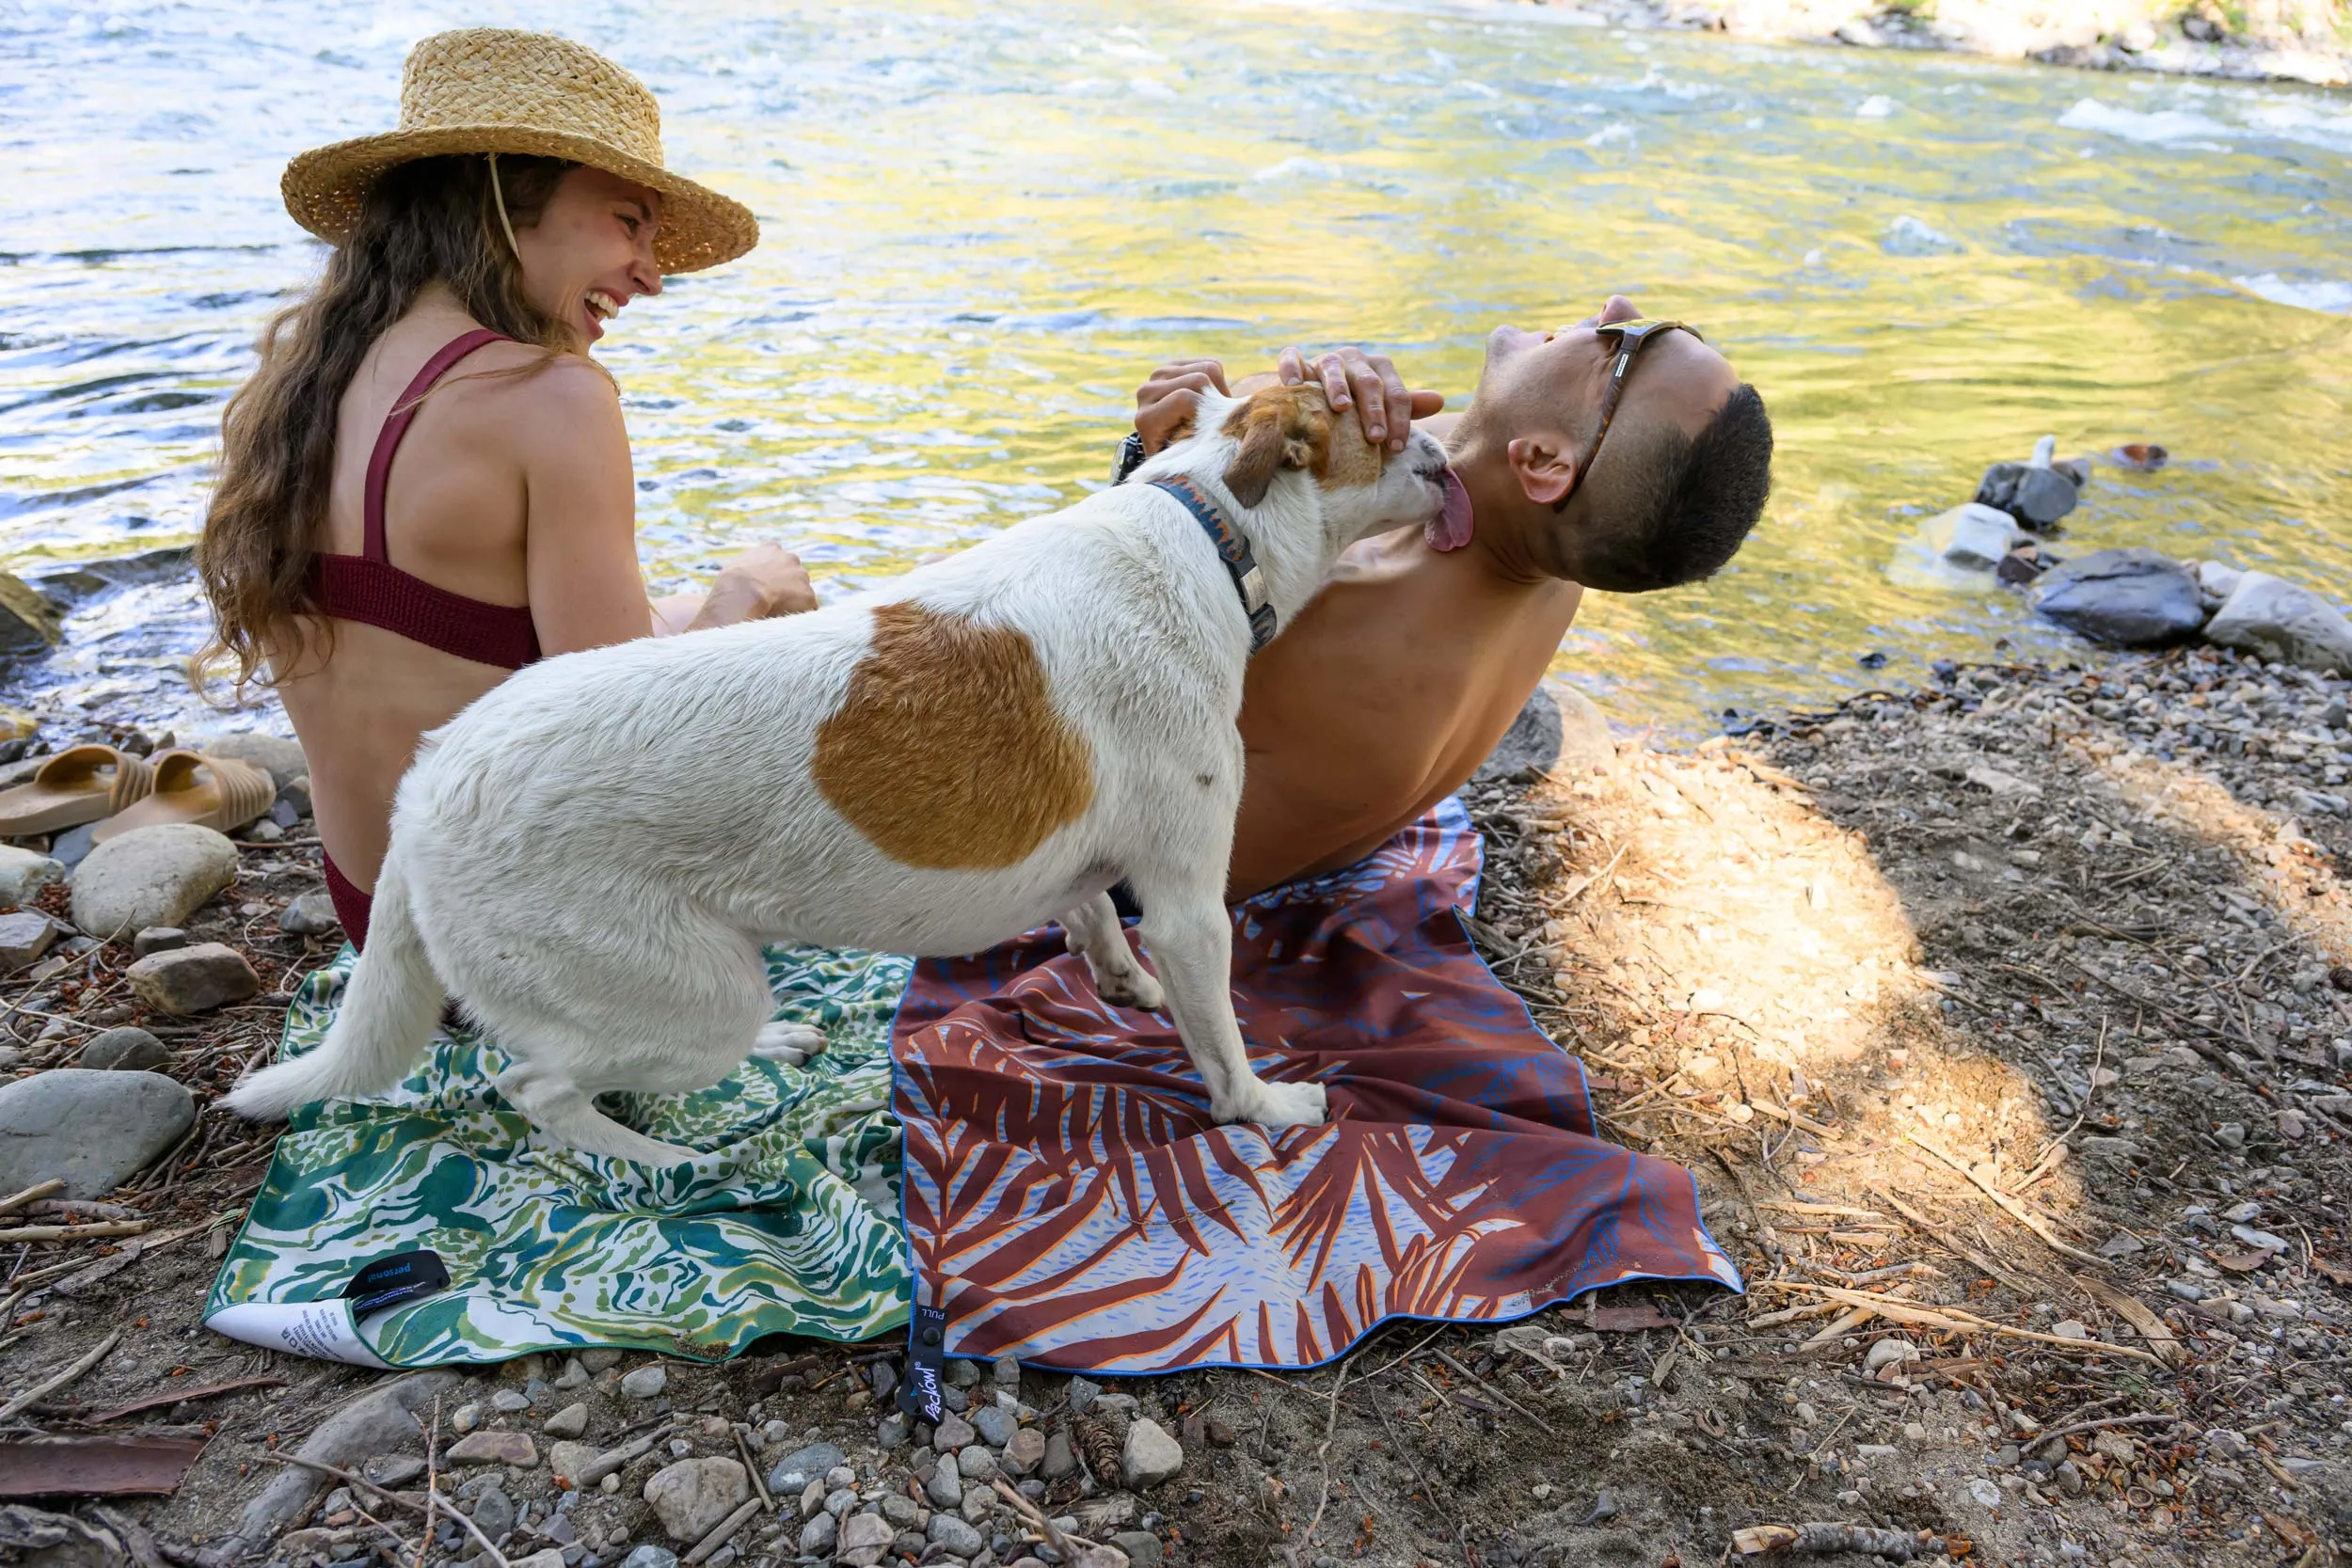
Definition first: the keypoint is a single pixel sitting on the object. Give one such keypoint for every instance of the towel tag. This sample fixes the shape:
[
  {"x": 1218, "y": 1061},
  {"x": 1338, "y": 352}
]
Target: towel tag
[
  {"x": 926, "y": 1340},
  {"x": 390, "y": 1281}
]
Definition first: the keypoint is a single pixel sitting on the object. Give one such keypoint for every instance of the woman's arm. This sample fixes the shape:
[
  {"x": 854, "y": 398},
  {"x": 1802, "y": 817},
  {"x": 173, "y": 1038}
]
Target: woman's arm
[
  {"x": 580, "y": 564},
  {"x": 580, "y": 496}
]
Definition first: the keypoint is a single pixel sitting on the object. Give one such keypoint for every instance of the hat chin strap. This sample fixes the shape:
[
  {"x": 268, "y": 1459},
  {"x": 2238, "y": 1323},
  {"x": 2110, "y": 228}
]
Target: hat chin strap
[{"x": 499, "y": 195}]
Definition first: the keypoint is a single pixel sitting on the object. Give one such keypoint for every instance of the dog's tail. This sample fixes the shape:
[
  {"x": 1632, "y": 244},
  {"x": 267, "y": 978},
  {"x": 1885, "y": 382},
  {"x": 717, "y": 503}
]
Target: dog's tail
[{"x": 388, "y": 1010}]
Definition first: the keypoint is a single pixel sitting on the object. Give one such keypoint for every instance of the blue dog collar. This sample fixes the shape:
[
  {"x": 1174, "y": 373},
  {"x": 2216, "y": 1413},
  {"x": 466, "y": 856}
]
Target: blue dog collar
[{"x": 1233, "y": 549}]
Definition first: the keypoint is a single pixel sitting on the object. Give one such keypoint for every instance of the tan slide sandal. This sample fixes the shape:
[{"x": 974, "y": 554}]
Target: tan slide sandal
[
  {"x": 210, "y": 792},
  {"x": 79, "y": 785}
]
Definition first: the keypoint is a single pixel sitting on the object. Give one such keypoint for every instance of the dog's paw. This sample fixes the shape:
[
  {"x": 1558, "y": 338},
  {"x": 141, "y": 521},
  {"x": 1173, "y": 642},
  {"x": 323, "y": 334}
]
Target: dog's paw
[
  {"x": 1134, "y": 988},
  {"x": 1278, "y": 1105},
  {"x": 791, "y": 1044}
]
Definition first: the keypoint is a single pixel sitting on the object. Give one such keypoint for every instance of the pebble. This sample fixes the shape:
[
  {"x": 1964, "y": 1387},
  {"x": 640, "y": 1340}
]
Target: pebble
[
  {"x": 1888, "y": 1353},
  {"x": 963, "y": 1373},
  {"x": 187, "y": 980},
  {"x": 952, "y": 1534},
  {"x": 691, "y": 1496},
  {"x": 567, "y": 1460},
  {"x": 466, "y": 1418},
  {"x": 1082, "y": 1393},
  {"x": 574, "y": 1374},
  {"x": 994, "y": 1425},
  {"x": 570, "y": 1421},
  {"x": 797, "y": 1470},
  {"x": 891, "y": 1432},
  {"x": 507, "y": 1401},
  {"x": 155, "y": 876},
  {"x": 946, "y": 1486},
  {"x": 649, "y": 1557},
  {"x": 25, "y": 872},
  {"x": 91, "y": 1130},
  {"x": 24, "y": 936},
  {"x": 313, "y": 915},
  {"x": 158, "y": 939},
  {"x": 976, "y": 1464},
  {"x": 493, "y": 1511},
  {"x": 1142, "y": 1547},
  {"x": 646, "y": 1382},
  {"x": 494, "y": 1448},
  {"x": 902, "y": 1512},
  {"x": 1024, "y": 1451},
  {"x": 599, "y": 1360},
  {"x": 1150, "y": 1456},
  {"x": 1006, "y": 1371},
  {"x": 883, "y": 1379},
  {"x": 953, "y": 1432},
  {"x": 1986, "y": 1491},
  {"x": 819, "y": 1535},
  {"x": 128, "y": 1049},
  {"x": 866, "y": 1533},
  {"x": 1059, "y": 1460}
]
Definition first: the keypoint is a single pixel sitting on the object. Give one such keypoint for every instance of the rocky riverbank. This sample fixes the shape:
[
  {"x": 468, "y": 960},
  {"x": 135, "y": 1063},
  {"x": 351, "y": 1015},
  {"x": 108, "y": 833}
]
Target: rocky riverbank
[
  {"x": 2007, "y": 1025},
  {"x": 2298, "y": 41}
]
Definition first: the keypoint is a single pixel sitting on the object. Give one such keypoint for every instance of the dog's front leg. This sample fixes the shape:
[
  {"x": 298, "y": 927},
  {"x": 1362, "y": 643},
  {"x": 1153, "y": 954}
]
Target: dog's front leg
[
  {"x": 1092, "y": 931},
  {"x": 1192, "y": 941}
]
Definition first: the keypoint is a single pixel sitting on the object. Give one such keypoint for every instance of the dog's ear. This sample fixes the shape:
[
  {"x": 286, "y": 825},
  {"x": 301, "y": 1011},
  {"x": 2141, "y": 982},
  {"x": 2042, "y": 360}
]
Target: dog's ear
[{"x": 1276, "y": 431}]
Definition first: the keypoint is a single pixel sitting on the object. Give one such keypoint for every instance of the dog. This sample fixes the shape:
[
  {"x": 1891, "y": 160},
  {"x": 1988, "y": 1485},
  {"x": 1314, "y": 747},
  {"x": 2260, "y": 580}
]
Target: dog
[{"x": 590, "y": 856}]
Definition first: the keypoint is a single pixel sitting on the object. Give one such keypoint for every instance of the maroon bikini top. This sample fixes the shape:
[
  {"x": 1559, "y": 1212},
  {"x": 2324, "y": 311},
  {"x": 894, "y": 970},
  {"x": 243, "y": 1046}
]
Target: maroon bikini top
[{"x": 371, "y": 589}]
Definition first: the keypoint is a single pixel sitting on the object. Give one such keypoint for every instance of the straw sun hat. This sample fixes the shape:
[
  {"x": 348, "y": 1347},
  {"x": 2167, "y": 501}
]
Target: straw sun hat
[{"x": 490, "y": 90}]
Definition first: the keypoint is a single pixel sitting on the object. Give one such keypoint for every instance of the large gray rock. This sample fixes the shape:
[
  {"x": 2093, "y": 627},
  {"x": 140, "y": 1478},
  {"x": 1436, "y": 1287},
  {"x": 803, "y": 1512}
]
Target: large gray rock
[
  {"x": 2037, "y": 498},
  {"x": 2277, "y": 619},
  {"x": 28, "y": 622},
  {"x": 281, "y": 758},
  {"x": 379, "y": 1421},
  {"x": 2135, "y": 599},
  {"x": 23, "y": 873},
  {"x": 197, "y": 979},
  {"x": 155, "y": 876},
  {"x": 1560, "y": 729},
  {"x": 89, "y": 1129},
  {"x": 691, "y": 1497}
]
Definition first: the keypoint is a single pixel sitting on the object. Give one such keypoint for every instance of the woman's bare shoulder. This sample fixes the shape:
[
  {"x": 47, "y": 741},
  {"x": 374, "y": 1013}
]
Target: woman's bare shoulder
[{"x": 527, "y": 399}]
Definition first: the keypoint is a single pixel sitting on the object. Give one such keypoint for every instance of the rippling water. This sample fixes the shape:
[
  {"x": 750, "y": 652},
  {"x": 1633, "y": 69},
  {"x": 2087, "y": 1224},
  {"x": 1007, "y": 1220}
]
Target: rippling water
[{"x": 986, "y": 222}]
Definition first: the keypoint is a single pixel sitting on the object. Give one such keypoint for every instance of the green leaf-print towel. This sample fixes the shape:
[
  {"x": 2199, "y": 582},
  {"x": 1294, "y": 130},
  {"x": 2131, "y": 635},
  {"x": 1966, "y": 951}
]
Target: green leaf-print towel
[{"x": 790, "y": 1224}]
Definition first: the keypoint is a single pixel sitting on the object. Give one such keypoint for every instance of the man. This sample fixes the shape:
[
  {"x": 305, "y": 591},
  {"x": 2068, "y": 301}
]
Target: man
[{"x": 1398, "y": 680}]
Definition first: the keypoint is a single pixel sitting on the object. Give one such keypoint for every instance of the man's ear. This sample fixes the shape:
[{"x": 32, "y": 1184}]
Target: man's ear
[
  {"x": 1542, "y": 466},
  {"x": 1275, "y": 434}
]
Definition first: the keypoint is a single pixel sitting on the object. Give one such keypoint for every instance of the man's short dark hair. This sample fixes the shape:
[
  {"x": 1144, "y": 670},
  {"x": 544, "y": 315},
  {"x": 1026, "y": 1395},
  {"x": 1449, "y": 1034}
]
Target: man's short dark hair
[{"x": 1682, "y": 504}]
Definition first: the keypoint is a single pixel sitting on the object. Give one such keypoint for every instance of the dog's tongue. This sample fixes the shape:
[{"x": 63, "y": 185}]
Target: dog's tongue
[{"x": 1450, "y": 529}]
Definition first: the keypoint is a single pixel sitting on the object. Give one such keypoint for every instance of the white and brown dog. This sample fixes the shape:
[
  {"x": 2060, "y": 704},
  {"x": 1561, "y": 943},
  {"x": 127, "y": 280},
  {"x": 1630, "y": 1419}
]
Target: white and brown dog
[{"x": 590, "y": 856}]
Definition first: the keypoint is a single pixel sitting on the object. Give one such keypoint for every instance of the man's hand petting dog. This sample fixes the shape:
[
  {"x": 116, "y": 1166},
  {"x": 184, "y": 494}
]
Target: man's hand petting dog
[{"x": 1368, "y": 382}]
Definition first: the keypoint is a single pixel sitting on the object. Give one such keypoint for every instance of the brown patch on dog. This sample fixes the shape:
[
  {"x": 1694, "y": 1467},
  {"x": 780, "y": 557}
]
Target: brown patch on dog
[
  {"x": 946, "y": 751},
  {"x": 1294, "y": 427}
]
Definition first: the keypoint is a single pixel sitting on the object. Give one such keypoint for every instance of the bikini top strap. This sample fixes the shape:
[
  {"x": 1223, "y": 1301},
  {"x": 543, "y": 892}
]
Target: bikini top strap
[{"x": 396, "y": 425}]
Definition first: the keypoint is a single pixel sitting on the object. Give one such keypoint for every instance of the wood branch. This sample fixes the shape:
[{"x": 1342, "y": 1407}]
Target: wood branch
[
  {"x": 38, "y": 1190},
  {"x": 718, "y": 1536},
  {"x": 2010, "y": 1207},
  {"x": 34, "y": 1395},
  {"x": 1864, "y": 1539},
  {"x": 1953, "y": 1320}
]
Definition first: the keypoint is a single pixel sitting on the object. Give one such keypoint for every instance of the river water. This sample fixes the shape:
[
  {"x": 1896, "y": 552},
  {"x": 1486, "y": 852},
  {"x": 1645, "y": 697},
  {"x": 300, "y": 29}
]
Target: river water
[{"x": 986, "y": 222}]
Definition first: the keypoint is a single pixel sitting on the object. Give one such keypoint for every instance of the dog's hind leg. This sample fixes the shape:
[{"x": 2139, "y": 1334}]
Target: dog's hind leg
[
  {"x": 1093, "y": 931},
  {"x": 1191, "y": 937},
  {"x": 562, "y": 1109},
  {"x": 788, "y": 1043}
]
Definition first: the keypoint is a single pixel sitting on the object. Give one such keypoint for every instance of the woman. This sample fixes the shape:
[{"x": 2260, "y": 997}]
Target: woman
[{"x": 428, "y": 484}]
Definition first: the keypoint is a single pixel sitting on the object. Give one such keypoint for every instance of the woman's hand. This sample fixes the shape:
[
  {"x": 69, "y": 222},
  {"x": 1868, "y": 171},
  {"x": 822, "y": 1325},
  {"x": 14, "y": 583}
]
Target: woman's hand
[
  {"x": 765, "y": 581},
  {"x": 1370, "y": 384}
]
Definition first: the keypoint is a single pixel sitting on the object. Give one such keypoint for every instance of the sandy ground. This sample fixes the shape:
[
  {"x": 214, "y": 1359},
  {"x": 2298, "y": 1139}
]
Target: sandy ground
[{"x": 2005, "y": 1051}]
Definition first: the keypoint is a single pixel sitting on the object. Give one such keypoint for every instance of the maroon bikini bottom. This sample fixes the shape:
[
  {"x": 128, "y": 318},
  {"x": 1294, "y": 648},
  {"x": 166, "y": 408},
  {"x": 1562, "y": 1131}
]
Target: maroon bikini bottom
[{"x": 351, "y": 905}]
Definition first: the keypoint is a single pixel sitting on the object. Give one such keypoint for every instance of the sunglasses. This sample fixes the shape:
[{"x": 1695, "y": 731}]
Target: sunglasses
[{"x": 1631, "y": 335}]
